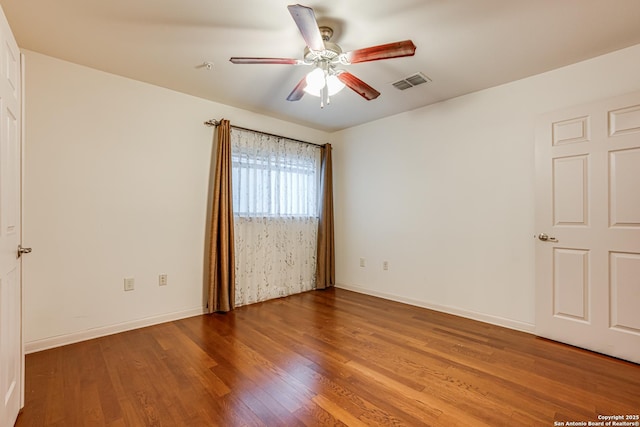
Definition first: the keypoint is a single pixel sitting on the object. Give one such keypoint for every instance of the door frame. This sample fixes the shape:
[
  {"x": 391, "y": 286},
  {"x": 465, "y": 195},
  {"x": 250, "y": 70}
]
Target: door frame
[{"x": 21, "y": 193}]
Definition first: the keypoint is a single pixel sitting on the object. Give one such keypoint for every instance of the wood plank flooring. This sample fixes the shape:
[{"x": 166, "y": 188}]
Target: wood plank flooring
[{"x": 321, "y": 358}]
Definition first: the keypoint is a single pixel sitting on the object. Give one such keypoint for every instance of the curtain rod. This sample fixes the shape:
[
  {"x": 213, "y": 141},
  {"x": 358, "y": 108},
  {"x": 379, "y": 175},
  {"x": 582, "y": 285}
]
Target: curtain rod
[{"x": 214, "y": 123}]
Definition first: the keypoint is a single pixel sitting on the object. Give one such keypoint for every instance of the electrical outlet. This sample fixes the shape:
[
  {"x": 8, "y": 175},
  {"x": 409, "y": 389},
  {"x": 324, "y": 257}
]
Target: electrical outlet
[
  {"x": 362, "y": 262},
  {"x": 129, "y": 283},
  {"x": 162, "y": 280},
  {"x": 385, "y": 265}
]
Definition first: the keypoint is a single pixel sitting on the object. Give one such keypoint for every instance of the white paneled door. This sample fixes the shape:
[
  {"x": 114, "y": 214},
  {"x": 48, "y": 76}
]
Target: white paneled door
[
  {"x": 11, "y": 355},
  {"x": 588, "y": 226}
]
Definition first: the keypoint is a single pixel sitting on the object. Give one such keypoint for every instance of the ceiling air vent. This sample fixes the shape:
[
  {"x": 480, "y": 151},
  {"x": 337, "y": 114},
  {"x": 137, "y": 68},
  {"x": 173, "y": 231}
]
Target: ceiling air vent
[{"x": 411, "y": 81}]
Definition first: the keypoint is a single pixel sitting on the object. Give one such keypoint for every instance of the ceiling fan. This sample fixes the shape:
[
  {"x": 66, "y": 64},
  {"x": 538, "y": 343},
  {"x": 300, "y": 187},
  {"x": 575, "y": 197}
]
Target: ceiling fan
[{"x": 325, "y": 79}]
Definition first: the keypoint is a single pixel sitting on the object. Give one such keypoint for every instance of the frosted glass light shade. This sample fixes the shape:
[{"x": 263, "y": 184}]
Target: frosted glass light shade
[
  {"x": 334, "y": 85},
  {"x": 315, "y": 80}
]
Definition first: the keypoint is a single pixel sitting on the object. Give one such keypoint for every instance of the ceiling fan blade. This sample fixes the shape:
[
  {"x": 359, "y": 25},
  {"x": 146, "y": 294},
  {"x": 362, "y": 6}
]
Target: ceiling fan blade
[
  {"x": 244, "y": 60},
  {"x": 298, "y": 91},
  {"x": 384, "y": 51},
  {"x": 357, "y": 85},
  {"x": 306, "y": 21}
]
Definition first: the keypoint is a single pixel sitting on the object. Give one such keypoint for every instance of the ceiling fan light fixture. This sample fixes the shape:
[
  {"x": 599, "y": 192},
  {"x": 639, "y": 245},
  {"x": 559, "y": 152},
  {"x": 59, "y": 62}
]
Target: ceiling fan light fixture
[
  {"x": 315, "y": 80},
  {"x": 334, "y": 84},
  {"x": 314, "y": 86},
  {"x": 324, "y": 80}
]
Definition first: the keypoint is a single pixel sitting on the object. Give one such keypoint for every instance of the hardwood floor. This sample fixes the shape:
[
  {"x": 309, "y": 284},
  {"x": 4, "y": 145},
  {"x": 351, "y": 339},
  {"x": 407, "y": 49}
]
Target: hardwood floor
[{"x": 325, "y": 358}]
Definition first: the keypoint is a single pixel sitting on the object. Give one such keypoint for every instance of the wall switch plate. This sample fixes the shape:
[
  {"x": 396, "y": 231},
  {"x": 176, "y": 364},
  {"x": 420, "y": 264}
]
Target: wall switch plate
[
  {"x": 162, "y": 280},
  {"x": 385, "y": 265},
  {"x": 129, "y": 283},
  {"x": 362, "y": 262}
]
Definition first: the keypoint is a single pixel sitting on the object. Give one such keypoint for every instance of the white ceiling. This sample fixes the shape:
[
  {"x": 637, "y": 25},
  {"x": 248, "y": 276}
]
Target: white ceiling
[{"x": 462, "y": 45}]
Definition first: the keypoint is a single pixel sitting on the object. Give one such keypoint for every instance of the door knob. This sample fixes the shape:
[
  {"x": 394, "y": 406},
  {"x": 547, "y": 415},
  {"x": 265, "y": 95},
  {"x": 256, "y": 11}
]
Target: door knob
[
  {"x": 22, "y": 250},
  {"x": 546, "y": 238}
]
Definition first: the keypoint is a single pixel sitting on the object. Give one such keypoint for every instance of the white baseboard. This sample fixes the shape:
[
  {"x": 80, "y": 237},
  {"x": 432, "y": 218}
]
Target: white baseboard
[
  {"x": 486, "y": 318},
  {"x": 60, "y": 340}
]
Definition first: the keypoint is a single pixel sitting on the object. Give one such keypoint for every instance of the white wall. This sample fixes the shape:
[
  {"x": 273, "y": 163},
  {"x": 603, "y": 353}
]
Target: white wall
[
  {"x": 116, "y": 185},
  {"x": 445, "y": 193}
]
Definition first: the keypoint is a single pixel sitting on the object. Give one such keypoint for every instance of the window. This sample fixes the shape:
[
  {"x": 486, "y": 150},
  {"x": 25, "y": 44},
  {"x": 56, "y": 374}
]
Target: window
[
  {"x": 274, "y": 177},
  {"x": 276, "y": 183}
]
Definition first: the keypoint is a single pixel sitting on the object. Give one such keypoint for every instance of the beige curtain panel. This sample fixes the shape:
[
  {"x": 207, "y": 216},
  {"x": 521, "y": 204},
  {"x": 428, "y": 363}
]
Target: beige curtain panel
[
  {"x": 326, "y": 260},
  {"x": 222, "y": 253}
]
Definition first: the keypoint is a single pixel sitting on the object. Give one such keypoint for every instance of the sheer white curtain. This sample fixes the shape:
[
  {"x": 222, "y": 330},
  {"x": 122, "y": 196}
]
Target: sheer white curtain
[{"x": 275, "y": 201}]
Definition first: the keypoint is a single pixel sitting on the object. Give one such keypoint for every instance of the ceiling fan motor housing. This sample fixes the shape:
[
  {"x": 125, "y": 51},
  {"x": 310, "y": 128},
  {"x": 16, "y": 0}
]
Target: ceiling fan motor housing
[{"x": 331, "y": 50}]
